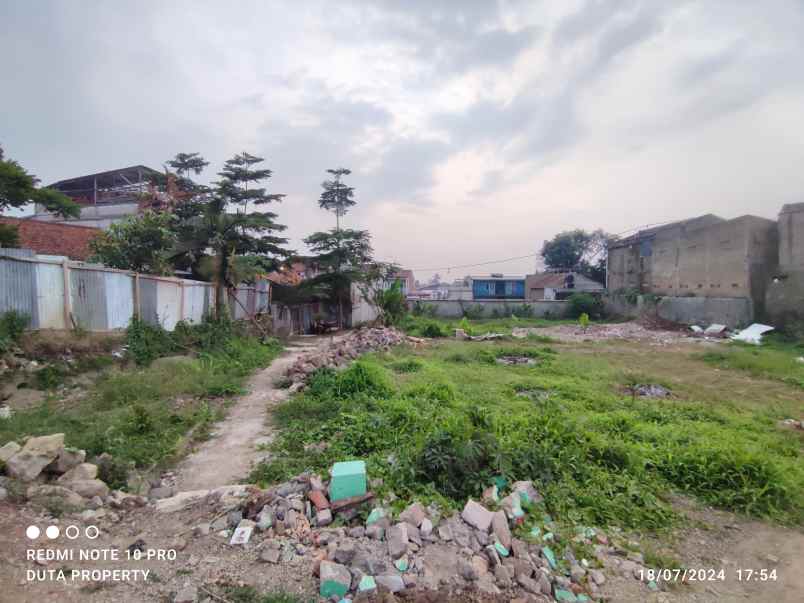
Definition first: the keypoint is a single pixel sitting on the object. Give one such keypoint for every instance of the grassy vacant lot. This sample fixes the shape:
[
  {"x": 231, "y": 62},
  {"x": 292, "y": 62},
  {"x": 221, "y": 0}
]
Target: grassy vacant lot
[
  {"x": 438, "y": 423},
  {"x": 142, "y": 415}
]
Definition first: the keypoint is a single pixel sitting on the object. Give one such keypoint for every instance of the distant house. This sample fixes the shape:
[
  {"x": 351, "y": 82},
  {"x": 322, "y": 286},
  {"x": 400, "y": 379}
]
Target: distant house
[
  {"x": 498, "y": 286},
  {"x": 406, "y": 280},
  {"x": 559, "y": 285},
  {"x": 105, "y": 197},
  {"x": 44, "y": 238}
]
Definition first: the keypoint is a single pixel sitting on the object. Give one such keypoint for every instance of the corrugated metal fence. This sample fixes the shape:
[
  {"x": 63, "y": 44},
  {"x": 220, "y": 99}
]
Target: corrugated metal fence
[{"x": 102, "y": 299}]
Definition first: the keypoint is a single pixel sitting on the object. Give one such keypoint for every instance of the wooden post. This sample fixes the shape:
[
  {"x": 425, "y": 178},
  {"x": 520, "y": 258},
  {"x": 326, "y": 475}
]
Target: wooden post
[{"x": 65, "y": 272}]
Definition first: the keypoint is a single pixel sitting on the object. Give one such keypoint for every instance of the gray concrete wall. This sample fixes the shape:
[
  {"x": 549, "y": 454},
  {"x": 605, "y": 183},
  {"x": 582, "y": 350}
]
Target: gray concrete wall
[
  {"x": 730, "y": 311},
  {"x": 448, "y": 308},
  {"x": 784, "y": 296}
]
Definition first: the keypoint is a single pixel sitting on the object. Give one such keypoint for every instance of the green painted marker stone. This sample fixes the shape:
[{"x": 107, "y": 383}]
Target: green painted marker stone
[
  {"x": 367, "y": 583},
  {"x": 550, "y": 556},
  {"x": 566, "y": 596},
  {"x": 348, "y": 479},
  {"x": 401, "y": 564},
  {"x": 501, "y": 549}
]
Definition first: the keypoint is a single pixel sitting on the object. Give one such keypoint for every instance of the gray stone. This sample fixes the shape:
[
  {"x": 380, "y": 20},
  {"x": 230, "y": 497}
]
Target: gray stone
[
  {"x": 481, "y": 537},
  {"x": 519, "y": 548},
  {"x": 426, "y": 528},
  {"x": 37, "y": 454},
  {"x": 233, "y": 518},
  {"x": 270, "y": 555},
  {"x": 88, "y": 488},
  {"x": 3, "y": 493},
  {"x": 202, "y": 529},
  {"x": 544, "y": 582},
  {"x": 499, "y": 525},
  {"x": 50, "y": 496},
  {"x": 392, "y": 582},
  {"x": 445, "y": 532},
  {"x": 9, "y": 450},
  {"x": 414, "y": 535},
  {"x": 357, "y": 532},
  {"x": 219, "y": 524},
  {"x": 375, "y": 531},
  {"x": 67, "y": 459},
  {"x": 529, "y": 584},
  {"x": 188, "y": 594},
  {"x": 493, "y": 555},
  {"x": 481, "y": 565},
  {"x": 413, "y": 515},
  {"x": 397, "y": 540},
  {"x": 368, "y": 563},
  {"x": 160, "y": 492},
  {"x": 265, "y": 519},
  {"x": 323, "y": 517},
  {"x": 503, "y": 576},
  {"x": 80, "y": 472},
  {"x": 477, "y": 516},
  {"x": 597, "y": 577},
  {"x": 577, "y": 573},
  {"x": 466, "y": 570},
  {"x": 345, "y": 552}
]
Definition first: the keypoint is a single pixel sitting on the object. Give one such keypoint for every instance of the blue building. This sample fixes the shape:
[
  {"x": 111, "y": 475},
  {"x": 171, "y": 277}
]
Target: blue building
[{"x": 497, "y": 286}]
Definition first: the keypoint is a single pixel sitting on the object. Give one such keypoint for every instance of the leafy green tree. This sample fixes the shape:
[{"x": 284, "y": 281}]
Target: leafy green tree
[
  {"x": 337, "y": 197},
  {"x": 9, "y": 235},
  {"x": 579, "y": 251},
  {"x": 342, "y": 256},
  {"x": 231, "y": 247},
  {"x": 18, "y": 188},
  {"x": 142, "y": 243}
]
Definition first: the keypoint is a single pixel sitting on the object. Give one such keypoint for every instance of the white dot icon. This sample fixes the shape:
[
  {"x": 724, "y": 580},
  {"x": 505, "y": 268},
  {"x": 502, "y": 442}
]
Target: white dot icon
[
  {"x": 32, "y": 532},
  {"x": 52, "y": 532}
]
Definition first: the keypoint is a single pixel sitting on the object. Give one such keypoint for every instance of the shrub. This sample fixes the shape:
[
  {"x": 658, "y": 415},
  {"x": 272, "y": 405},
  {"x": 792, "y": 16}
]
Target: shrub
[
  {"x": 433, "y": 330},
  {"x": 473, "y": 312},
  {"x": 409, "y": 365},
  {"x": 12, "y": 326},
  {"x": 147, "y": 342},
  {"x": 585, "y": 303}
]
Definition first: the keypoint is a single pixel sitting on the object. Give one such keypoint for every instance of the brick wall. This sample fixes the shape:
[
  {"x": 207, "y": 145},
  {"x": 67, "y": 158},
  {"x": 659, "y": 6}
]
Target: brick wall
[{"x": 54, "y": 239}]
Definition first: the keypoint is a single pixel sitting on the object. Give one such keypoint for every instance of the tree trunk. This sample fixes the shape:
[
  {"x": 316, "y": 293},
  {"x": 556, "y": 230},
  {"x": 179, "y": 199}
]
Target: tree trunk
[{"x": 220, "y": 284}]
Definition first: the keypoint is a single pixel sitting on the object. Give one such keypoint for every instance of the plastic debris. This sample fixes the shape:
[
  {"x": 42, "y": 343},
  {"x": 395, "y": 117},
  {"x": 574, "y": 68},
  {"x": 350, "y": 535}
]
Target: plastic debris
[{"x": 752, "y": 334}]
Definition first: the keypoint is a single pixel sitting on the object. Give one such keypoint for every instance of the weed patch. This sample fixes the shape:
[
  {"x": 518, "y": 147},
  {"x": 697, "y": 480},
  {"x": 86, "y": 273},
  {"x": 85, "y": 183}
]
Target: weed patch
[{"x": 599, "y": 455}]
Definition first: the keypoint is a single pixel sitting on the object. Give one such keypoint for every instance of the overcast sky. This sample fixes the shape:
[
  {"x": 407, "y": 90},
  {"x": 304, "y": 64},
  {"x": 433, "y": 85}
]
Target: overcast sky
[{"x": 474, "y": 129}]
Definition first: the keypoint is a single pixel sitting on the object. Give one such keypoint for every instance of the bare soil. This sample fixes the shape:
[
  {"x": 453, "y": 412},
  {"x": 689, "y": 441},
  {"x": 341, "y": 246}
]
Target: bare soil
[{"x": 236, "y": 444}]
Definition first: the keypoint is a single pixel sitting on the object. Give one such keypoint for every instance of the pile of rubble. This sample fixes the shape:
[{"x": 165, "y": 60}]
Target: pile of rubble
[
  {"x": 356, "y": 547},
  {"x": 345, "y": 349},
  {"x": 55, "y": 476}
]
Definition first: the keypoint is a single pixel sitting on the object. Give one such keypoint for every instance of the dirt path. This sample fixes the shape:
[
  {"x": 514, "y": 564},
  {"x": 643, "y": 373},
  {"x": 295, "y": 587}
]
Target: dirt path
[{"x": 229, "y": 455}]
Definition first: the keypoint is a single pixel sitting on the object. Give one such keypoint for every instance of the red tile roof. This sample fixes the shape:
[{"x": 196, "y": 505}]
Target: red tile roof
[{"x": 54, "y": 239}]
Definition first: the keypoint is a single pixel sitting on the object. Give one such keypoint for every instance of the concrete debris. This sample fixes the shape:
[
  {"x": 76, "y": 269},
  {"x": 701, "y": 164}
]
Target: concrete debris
[
  {"x": 477, "y": 516},
  {"x": 714, "y": 329},
  {"x": 652, "y": 390},
  {"x": 515, "y": 360},
  {"x": 335, "y": 579},
  {"x": 413, "y": 514},
  {"x": 345, "y": 349},
  {"x": 36, "y": 454}
]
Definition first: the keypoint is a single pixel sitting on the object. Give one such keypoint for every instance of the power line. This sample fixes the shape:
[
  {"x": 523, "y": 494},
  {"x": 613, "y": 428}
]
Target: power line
[{"x": 534, "y": 255}]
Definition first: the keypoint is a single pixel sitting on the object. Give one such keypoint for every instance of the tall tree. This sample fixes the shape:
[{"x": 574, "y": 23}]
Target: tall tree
[
  {"x": 237, "y": 240},
  {"x": 240, "y": 171},
  {"x": 18, "y": 188},
  {"x": 577, "y": 250},
  {"x": 337, "y": 197},
  {"x": 343, "y": 257}
]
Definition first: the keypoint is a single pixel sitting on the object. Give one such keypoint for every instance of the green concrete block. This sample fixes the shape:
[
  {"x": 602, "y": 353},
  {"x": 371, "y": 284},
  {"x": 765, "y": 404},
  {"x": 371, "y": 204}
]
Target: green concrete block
[
  {"x": 348, "y": 479},
  {"x": 550, "y": 556},
  {"x": 501, "y": 549},
  {"x": 401, "y": 564},
  {"x": 565, "y": 596},
  {"x": 367, "y": 583}
]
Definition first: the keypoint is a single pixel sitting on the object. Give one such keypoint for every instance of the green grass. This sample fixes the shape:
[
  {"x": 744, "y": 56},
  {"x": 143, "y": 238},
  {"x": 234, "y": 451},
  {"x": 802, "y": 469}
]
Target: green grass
[
  {"x": 774, "y": 359},
  {"x": 249, "y": 594},
  {"x": 134, "y": 415},
  {"x": 443, "y": 431}
]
